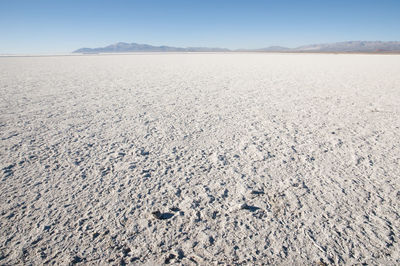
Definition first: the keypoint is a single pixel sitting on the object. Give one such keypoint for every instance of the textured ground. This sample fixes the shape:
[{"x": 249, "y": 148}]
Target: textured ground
[{"x": 249, "y": 158}]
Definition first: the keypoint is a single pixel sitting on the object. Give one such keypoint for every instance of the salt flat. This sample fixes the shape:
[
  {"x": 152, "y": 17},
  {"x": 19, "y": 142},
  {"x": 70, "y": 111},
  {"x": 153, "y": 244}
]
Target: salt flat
[{"x": 200, "y": 159}]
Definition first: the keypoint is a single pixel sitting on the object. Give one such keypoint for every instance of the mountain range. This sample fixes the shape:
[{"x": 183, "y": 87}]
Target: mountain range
[
  {"x": 123, "y": 47},
  {"x": 345, "y": 47}
]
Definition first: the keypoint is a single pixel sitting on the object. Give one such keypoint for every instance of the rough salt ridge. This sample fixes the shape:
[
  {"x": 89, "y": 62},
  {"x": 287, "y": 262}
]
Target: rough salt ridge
[{"x": 200, "y": 159}]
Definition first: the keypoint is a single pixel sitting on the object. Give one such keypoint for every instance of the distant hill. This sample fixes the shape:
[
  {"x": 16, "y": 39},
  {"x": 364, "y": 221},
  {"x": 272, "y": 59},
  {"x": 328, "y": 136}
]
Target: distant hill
[
  {"x": 266, "y": 49},
  {"x": 351, "y": 46}
]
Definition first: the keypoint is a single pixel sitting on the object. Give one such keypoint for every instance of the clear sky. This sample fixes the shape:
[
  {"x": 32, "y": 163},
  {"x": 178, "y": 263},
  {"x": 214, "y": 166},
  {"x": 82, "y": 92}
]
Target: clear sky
[{"x": 60, "y": 26}]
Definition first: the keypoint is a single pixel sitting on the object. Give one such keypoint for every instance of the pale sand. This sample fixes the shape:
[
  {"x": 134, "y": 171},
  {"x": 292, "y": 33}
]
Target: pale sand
[{"x": 250, "y": 158}]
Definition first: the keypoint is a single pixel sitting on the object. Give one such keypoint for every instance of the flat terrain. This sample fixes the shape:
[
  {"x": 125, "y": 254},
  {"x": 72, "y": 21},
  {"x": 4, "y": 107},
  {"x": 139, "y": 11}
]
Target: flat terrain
[{"x": 200, "y": 159}]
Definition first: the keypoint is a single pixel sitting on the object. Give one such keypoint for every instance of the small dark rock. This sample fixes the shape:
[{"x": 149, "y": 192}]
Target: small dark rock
[
  {"x": 122, "y": 262},
  {"x": 169, "y": 258},
  {"x": 143, "y": 152},
  {"x": 162, "y": 216},
  {"x": 249, "y": 208},
  {"x": 95, "y": 235},
  {"x": 134, "y": 259},
  {"x": 181, "y": 255},
  {"x": 211, "y": 240},
  {"x": 76, "y": 260},
  {"x": 174, "y": 209},
  {"x": 257, "y": 192},
  {"x": 126, "y": 251}
]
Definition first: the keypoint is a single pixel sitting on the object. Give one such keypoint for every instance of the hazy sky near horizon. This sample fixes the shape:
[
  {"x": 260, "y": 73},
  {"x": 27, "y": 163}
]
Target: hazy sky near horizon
[{"x": 61, "y": 26}]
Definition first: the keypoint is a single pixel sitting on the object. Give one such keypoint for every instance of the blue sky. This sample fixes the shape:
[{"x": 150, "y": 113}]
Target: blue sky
[{"x": 59, "y": 26}]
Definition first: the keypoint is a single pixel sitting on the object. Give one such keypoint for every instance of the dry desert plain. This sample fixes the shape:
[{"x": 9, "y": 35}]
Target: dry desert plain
[{"x": 199, "y": 159}]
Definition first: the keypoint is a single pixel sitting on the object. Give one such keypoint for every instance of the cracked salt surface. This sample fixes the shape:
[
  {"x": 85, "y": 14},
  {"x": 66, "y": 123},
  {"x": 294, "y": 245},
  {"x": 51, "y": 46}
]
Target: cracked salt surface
[{"x": 200, "y": 159}]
